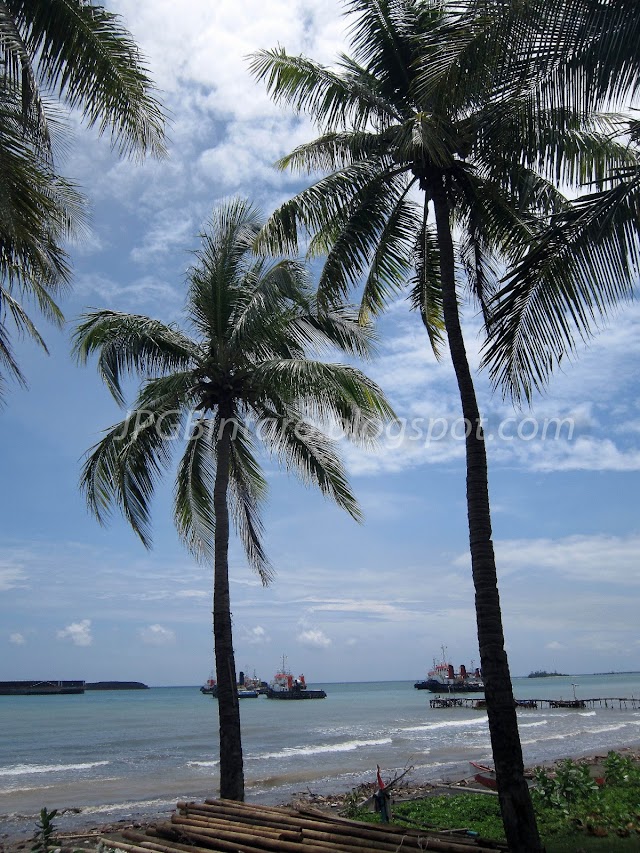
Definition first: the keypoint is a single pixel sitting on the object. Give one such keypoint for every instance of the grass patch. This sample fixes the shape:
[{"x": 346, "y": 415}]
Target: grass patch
[{"x": 573, "y": 810}]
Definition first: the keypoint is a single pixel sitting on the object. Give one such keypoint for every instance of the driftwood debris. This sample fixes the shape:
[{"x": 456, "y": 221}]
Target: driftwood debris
[{"x": 232, "y": 827}]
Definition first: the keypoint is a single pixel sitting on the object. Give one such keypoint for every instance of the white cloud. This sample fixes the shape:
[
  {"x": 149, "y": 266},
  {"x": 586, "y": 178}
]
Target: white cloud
[
  {"x": 378, "y": 609},
  {"x": 78, "y": 632},
  {"x": 256, "y": 636},
  {"x": 139, "y": 291},
  {"x": 17, "y": 639},
  {"x": 595, "y": 559},
  {"x": 314, "y": 638},
  {"x": 156, "y": 635},
  {"x": 11, "y": 577}
]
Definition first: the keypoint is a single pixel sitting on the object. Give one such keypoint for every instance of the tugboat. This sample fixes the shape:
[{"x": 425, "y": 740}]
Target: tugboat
[
  {"x": 285, "y": 686},
  {"x": 444, "y": 679},
  {"x": 245, "y": 690}
]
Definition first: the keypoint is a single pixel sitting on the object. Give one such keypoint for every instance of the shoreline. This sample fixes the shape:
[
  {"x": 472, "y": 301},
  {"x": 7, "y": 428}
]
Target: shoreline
[{"x": 86, "y": 835}]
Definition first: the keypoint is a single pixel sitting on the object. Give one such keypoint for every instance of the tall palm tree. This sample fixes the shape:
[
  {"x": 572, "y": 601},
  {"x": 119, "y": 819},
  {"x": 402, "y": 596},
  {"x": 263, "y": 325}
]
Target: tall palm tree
[
  {"x": 80, "y": 53},
  {"x": 413, "y": 128},
  {"x": 244, "y": 376}
]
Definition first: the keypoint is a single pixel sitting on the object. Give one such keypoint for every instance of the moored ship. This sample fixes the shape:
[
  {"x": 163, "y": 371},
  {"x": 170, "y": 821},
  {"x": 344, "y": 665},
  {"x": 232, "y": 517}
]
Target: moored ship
[
  {"x": 285, "y": 686},
  {"x": 248, "y": 688},
  {"x": 444, "y": 679}
]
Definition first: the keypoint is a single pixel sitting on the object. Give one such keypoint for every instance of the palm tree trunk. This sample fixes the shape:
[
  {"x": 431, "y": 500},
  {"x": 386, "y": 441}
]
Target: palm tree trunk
[
  {"x": 231, "y": 767},
  {"x": 515, "y": 801}
]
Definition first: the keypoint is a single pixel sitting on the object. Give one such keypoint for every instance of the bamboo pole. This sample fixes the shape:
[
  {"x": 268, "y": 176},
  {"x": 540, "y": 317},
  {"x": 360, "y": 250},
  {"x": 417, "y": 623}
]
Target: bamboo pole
[
  {"x": 247, "y": 817},
  {"x": 264, "y": 844},
  {"x": 221, "y": 825},
  {"x": 315, "y": 820},
  {"x": 367, "y": 832},
  {"x": 233, "y": 827}
]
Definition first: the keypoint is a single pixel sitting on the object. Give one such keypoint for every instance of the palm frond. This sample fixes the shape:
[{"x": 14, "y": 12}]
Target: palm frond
[
  {"x": 248, "y": 490},
  {"x": 351, "y": 239},
  {"x": 131, "y": 343},
  {"x": 425, "y": 295},
  {"x": 193, "y": 494},
  {"x": 327, "y": 96},
  {"x": 8, "y": 362},
  {"x": 307, "y": 451},
  {"x": 329, "y": 393},
  {"x": 122, "y": 469},
  {"x": 588, "y": 261},
  {"x": 333, "y": 151},
  {"x": 392, "y": 260},
  {"x": 85, "y": 54}
]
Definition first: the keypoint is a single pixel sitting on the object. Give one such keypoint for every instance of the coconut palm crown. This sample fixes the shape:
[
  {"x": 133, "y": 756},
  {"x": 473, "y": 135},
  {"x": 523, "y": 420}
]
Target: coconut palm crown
[
  {"x": 434, "y": 178},
  {"x": 243, "y": 377}
]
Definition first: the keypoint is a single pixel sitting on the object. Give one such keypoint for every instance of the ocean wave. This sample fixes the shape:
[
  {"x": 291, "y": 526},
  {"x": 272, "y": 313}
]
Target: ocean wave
[
  {"x": 448, "y": 724},
  {"x": 135, "y": 806},
  {"x": 28, "y": 769},
  {"x": 533, "y": 725},
  {"x": 617, "y": 727},
  {"x": 549, "y": 737},
  {"x": 296, "y": 751},
  {"x": 213, "y": 763}
]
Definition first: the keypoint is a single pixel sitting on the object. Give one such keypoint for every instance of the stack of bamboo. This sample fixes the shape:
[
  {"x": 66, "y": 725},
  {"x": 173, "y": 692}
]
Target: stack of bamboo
[{"x": 228, "y": 826}]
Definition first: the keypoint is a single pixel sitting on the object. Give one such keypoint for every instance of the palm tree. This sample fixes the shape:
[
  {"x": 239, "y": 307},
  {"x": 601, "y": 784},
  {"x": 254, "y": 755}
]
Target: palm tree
[
  {"x": 413, "y": 127},
  {"x": 243, "y": 376},
  {"x": 81, "y": 53}
]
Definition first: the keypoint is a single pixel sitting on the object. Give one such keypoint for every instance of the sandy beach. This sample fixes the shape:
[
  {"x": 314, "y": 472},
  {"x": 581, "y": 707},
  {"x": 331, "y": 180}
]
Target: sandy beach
[{"x": 87, "y": 836}]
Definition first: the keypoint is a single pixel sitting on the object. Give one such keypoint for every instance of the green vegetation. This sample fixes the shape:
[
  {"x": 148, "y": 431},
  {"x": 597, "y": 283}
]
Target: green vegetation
[
  {"x": 43, "y": 840},
  {"x": 574, "y": 809},
  {"x": 542, "y": 673}
]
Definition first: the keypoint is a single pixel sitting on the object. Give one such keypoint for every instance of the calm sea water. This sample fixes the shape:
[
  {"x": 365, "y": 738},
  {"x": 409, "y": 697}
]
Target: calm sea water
[{"x": 117, "y": 755}]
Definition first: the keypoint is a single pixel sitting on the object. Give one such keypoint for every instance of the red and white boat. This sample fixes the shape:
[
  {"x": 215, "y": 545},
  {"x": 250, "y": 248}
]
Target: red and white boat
[{"x": 285, "y": 686}]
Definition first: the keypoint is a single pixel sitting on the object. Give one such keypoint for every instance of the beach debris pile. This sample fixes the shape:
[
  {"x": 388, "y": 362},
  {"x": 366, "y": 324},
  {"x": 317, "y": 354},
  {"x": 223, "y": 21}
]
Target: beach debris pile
[{"x": 226, "y": 826}]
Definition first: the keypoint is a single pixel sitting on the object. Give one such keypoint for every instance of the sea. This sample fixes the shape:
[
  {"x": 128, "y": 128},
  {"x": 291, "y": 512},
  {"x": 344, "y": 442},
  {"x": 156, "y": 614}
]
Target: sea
[{"x": 107, "y": 756}]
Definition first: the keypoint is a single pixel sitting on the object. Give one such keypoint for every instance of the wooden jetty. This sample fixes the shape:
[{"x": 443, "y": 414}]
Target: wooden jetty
[{"x": 480, "y": 704}]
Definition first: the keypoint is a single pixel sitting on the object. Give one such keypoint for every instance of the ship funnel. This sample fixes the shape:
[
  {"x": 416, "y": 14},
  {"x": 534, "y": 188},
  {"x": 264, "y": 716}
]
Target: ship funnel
[
  {"x": 241, "y": 678},
  {"x": 463, "y": 671},
  {"x": 450, "y": 673}
]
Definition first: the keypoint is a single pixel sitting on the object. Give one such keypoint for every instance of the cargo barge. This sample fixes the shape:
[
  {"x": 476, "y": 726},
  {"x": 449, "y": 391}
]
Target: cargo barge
[{"x": 40, "y": 688}]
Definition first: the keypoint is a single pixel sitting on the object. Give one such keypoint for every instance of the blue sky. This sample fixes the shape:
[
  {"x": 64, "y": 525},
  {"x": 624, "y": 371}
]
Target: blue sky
[{"x": 350, "y": 602}]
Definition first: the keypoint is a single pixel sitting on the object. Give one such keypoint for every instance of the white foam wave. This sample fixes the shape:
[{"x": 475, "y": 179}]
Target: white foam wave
[
  {"x": 28, "y": 769},
  {"x": 586, "y": 713},
  {"x": 136, "y": 806},
  {"x": 546, "y": 737},
  {"x": 203, "y": 763},
  {"x": 345, "y": 746},
  {"x": 533, "y": 725},
  {"x": 602, "y": 729},
  {"x": 449, "y": 724}
]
